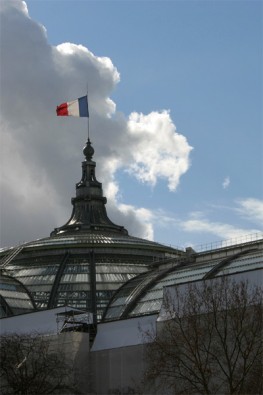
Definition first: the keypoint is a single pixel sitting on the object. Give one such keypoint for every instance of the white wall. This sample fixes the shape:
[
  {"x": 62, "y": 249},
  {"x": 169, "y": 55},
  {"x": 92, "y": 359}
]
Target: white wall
[
  {"x": 42, "y": 322},
  {"x": 123, "y": 333}
]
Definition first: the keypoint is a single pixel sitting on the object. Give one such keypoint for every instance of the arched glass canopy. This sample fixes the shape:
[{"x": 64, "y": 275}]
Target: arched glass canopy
[{"x": 143, "y": 295}]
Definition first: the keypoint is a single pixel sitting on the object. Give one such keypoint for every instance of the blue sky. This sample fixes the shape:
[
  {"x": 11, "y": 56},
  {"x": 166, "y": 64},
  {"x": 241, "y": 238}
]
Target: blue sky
[{"x": 202, "y": 62}]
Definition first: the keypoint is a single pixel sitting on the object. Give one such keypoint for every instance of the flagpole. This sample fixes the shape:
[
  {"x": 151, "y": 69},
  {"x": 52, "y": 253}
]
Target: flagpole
[
  {"x": 88, "y": 111},
  {"x": 88, "y": 128}
]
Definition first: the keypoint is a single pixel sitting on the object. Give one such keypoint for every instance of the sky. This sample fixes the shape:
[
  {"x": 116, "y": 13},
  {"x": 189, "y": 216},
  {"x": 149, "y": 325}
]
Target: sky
[{"x": 175, "y": 99}]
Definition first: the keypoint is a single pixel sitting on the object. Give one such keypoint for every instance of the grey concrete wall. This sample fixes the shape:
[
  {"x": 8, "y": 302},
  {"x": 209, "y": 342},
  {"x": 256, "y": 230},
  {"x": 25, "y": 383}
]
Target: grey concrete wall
[
  {"x": 75, "y": 347},
  {"x": 118, "y": 371}
]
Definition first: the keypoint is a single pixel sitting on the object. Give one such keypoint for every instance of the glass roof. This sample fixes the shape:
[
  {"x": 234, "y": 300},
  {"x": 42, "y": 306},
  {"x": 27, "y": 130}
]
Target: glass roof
[
  {"x": 143, "y": 294},
  {"x": 97, "y": 238},
  {"x": 58, "y": 278},
  {"x": 14, "y": 298},
  {"x": 56, "y": 270}
]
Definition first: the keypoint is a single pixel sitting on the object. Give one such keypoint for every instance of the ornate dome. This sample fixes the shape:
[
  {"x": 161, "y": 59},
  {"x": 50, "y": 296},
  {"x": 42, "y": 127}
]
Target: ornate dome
[{"x": 84, "y": 261}]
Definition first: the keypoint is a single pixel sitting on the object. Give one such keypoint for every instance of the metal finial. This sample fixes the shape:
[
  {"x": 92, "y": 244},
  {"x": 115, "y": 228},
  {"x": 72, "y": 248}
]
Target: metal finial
[{"x": 88, "y": 150}]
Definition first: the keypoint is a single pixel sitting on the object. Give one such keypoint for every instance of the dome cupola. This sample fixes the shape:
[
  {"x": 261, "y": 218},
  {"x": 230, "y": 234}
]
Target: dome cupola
[{"x": 89, "y": 205}]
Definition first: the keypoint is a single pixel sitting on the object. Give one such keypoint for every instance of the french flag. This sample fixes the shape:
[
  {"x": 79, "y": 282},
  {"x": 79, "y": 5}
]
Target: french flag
[{"x": 75, "y": 108}]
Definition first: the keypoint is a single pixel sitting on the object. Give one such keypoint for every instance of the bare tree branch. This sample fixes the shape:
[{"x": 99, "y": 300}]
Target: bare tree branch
[
  {"x": 29, "y": 367},
  {"x": 212, "y": 343}
]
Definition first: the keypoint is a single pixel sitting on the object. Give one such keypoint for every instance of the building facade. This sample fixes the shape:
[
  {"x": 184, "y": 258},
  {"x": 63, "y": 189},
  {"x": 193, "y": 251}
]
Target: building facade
[{"x": 97, "y": 290}]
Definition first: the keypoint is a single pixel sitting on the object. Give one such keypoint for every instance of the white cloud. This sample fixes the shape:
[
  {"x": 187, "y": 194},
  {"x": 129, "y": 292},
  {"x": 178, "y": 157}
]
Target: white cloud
[
  {"x": 160, "y": 151},
  {"x": 252, "y": 209},
  {"x": 40, "y": 152},
  {"x": 198, "y": 223},
  {"x": 201, "y": 223},
  {"x": 226, "y": 183}
]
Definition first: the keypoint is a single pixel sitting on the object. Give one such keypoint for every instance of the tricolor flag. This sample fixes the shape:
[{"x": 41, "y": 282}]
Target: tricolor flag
[{"x": 75, "y": 108}]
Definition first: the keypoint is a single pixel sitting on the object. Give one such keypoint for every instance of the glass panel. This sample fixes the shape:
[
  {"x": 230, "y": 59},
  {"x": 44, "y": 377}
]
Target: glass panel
[
  {"x": 247, "y": 258},
  {"x": 245, "y": 262},
  {"x": 3, "y": 312},
  {"x": 108, "y": 286},
  {"x": 84, "y": 304},
  {"x": 19, "y": 303},
  {"x": 112, "y": 277},
  {"x": 238, "y": 269},
  {"x": 21, "y": 310},
  {"x": 120, "y": 268},
  {"x": 39, "y": 288},
  {"x": 8, "y": 286},
  {"x": 74, "y": 269},
  {"x": 105, "y": 294},
  {"x": 74, "y": 295},
  {"x": 74, "y": 287},
  {"x": 41, "y": 295},
  {"x": 114, "y": 312},
  {"x": 41, "y": 305},
  {"x": 38, "y": 280},
  {"x": 12, "y": 294},
  {"x": 119, "y": 301},
  {"x": 153, "y": 294},
  {"x": 77, "y": 278},
  {"x": 186, "y": 275},
  {"x": 36, "y": 271},
  {"x": 146, "y": 307}
]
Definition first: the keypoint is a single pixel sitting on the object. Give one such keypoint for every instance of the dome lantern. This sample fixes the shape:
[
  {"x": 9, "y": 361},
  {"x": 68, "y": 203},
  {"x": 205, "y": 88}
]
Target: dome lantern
[{"x": 89, "y": 205}]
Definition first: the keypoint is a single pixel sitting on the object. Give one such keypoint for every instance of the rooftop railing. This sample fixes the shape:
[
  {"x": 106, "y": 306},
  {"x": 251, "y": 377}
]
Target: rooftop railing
[
  {"x": 249, "y": 238},
  {"x": 229, "y": 242}
]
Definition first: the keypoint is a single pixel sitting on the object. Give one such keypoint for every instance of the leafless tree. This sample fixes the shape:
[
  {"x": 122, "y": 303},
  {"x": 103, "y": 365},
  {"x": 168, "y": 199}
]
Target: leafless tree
[
  {"x": 30, "y": 365},
  {"x": 210, "y": 341}
]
